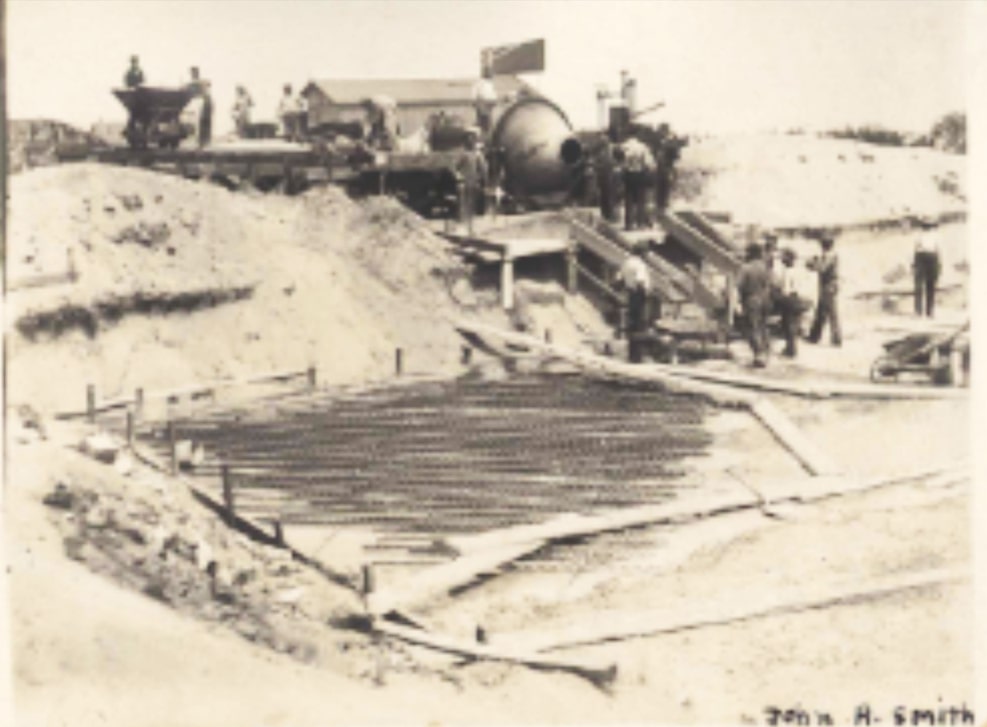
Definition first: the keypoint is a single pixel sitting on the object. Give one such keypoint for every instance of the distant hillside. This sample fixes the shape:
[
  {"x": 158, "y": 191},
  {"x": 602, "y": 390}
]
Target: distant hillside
[{"x": 806, "y": 181}]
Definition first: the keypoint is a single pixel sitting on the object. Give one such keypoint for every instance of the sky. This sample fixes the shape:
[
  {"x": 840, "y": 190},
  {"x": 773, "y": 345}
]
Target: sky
[{"x": 719, "y": 67}]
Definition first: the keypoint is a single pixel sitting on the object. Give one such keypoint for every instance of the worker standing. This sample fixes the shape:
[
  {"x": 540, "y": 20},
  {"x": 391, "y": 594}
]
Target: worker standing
[
  {"x": 770, "y": 251},
  {"x": 134, "y": 76},
  {"x": 205, "y": 116},
  {"x": 637, "y": 280},
  {"x": 754, "y": 290},
  {"x": 607, "y": 181},
  {"x": 472, "y": 176},
  {"x": 638, "y": 165},
  {"x": 241, "y": 111},
  {"x": 286, "y": 112},
  {"x": 926, "y": 267},
  {"x": 485, "y": 100},
  {"x": 827, "y": 268},
  {"x": 789, "y": 303}
]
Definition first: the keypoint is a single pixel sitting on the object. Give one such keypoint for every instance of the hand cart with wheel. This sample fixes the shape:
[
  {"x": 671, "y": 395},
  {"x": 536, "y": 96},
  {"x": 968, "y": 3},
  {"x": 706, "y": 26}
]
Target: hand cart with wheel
[{"x": 943, "y": 357}]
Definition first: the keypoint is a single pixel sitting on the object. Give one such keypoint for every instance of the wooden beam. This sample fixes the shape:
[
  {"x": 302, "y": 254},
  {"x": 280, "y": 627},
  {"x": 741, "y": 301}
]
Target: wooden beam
[
  {"x": 425, "y": 587},
  {"x": 601, "y": 676},
  {"x": 806, "y": 451},
  {"x": 620, "y": 626}
]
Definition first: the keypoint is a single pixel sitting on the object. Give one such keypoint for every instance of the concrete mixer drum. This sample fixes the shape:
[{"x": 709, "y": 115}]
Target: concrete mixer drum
[{"x": 539, "y": 153}]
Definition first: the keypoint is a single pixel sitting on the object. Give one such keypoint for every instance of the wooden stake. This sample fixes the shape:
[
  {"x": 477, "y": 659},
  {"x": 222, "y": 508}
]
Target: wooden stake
[
  {"x": 130, "y": 428},
  {"x": 173, "y": 448},
  {"x": 139, "y": 402},
  {"x": 312, "y": 377},
  {"x": 91, "y": 402},
  {"x": 228, "y": 501},
  {"x": 368, "y": 585},
  {"x": 398, "y": 361}
]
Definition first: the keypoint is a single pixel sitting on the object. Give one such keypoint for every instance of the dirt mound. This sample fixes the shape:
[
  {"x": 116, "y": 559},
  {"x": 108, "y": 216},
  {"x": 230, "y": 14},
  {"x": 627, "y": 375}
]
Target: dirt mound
[
  {"x": 177, "y": 282},
  {"x": 805, "y": 181}
]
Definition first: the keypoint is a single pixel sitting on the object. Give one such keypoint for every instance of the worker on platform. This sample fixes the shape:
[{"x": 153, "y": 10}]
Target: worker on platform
[
  {"x": 636, "y": 279},
  {"x": 472, "y": 174},
  {"x": 826, "y": 266},
  {"x": 638, "y": 165},
  {"x": 134, "y": 76},
  {"x": 754, "y": 291},
  {"x": 670, "y": 151},
  {"x": 485, "y": 100},
  {"x": 241, "y": 111},
  {"x": 205, "y": 115},
  {"x": 287, "y": 115},
  {"x": 926, "y": 266},
  {"x": 608, "y": 182},
  {"x": 789, "y": 303}
]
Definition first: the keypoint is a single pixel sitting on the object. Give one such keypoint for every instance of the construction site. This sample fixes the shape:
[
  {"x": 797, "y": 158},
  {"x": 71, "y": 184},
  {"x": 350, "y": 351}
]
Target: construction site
[{"x": 353, "y": 418}]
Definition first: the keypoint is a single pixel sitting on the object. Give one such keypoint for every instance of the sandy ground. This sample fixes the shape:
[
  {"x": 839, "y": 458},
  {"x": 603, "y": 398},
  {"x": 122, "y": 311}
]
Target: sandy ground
[{"x": 132, "y": 605}]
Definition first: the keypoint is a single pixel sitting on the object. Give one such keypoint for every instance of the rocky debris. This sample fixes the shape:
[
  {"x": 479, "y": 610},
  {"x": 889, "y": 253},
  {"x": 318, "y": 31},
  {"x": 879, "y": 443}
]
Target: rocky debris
[
  {"x": 172, "y": 550},
  {"x": 143, "y": 233}
]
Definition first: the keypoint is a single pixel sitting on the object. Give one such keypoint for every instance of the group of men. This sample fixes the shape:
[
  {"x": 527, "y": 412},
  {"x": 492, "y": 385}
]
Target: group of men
[
  {"x": 766, "y": 286},
  {"x": 292, "y": 111},
  {"x": 635, "y": 173},
  {"x": 201, "y": 106}
]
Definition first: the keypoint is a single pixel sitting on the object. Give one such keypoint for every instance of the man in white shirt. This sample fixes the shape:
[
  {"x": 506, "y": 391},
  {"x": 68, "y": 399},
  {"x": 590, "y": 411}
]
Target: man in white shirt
[
  {"x": 287, "y": 113},
  {"x": 638, "y": 166},
  {"x": 789, "y": 302},
  {"x": 484, "y": 100},
  {"x": 637, "y": 280}
]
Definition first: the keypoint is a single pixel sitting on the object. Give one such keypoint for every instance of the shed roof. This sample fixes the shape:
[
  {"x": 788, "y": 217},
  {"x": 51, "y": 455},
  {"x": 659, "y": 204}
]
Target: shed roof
[{"x": 410, "y": 90}]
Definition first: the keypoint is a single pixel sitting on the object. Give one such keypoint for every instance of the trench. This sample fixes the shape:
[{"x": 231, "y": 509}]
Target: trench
[{"x": 450, "y": 458}]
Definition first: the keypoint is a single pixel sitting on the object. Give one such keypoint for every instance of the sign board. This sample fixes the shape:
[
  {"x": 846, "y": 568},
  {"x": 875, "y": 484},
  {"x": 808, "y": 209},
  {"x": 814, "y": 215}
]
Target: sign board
[{"x": 527, "y": 57}]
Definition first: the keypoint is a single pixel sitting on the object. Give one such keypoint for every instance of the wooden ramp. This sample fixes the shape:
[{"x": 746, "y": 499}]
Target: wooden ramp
[{"x": 699, "y": 235}]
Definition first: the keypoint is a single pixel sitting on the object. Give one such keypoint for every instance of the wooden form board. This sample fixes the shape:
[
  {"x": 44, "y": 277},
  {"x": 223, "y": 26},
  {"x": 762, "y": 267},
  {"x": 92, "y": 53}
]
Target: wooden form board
[
  {"x": 486, "y": 553},
  {"x": 601, "y": 675},
  {"x": 618, "y": 626}
]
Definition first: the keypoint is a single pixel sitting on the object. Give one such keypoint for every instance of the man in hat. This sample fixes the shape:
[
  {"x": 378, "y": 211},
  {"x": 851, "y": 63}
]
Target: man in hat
[
  {"x": 135, "y": 76},
  {"x": 789, "y": 303},
  {"x": 926, "y": 267},
  {"x": 754, "y": 290},
  {"x": 637, "y": 280},
  {"x": 826, "y": 266}
]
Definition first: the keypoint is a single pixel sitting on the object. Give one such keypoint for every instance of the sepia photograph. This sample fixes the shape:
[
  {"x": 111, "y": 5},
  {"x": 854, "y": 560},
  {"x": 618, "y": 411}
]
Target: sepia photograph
[{"x": 489, "y": 363}]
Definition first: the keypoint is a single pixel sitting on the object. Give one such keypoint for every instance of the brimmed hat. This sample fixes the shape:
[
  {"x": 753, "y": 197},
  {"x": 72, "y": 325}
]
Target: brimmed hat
[
  {"x": 788, "y": 255},
  {"x": 753, "y": 251}
]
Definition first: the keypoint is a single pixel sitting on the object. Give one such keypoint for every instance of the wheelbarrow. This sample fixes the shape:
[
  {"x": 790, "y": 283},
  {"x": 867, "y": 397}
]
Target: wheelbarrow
[
  {"x": 944, "y": 358},
  {"x": 155, "y": 116}
]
